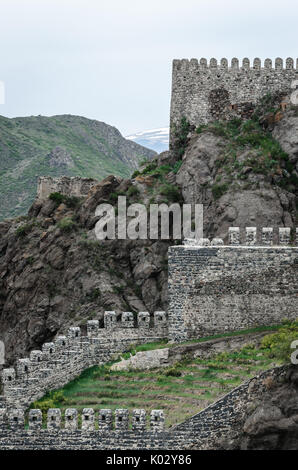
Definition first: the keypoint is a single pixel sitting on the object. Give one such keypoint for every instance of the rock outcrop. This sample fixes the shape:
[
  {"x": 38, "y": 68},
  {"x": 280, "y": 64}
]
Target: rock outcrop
[
  {"x": 54, "y": 273},
  {"x": 273, "y": 425}
]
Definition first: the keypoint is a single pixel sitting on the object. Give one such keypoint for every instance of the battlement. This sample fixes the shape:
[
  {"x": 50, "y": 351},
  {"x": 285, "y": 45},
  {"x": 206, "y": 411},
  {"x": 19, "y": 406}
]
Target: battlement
[
  {"x": 235, "y": 64},
  {"x": 106, "y": 430},
  {"x": 252, "y": 236},
  {"x": 205, "y": 91},
  {"x": 103, "y": 420},
  {"x": 67, "y": 356}
]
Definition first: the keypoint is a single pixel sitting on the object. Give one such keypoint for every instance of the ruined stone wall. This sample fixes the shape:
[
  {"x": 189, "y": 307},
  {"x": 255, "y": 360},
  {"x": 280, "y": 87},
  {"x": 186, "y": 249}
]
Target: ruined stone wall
[
  {"x": 216, "y": 288},
  {"x": 66, "y": 185},
  {"x": 65, "y": 358},
  {"x": 205, "y": 92},
  {"x": 221, "y": 421}
]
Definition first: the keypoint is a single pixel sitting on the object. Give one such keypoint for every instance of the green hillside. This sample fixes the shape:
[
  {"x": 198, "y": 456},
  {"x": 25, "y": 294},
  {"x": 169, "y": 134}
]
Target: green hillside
[
  {"x": 182, "y": 389},
  {"x": 56, "y": 146}
]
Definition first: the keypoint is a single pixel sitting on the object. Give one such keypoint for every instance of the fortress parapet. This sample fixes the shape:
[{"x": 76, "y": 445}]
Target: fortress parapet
[
  {"x": 251, "y": 236},
  {"x": 67, "y": 356},
  {"x": 101, "y": 421},
  {"x": 131, "y": 429},
  {"x": 265, "y": 236}
]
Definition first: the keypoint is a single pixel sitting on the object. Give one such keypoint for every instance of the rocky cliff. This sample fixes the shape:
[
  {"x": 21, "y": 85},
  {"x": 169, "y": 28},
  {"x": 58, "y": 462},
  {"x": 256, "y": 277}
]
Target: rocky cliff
[
  {"x": 54, "y": 273},
  {"x": 271, "y": 421}
]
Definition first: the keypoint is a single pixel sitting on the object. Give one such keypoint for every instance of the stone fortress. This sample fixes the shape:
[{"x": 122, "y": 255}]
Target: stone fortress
[
  {"x": 66, "y": 185},
  {"x": 213, "y": 288},
  {"x": 203, "y": 92},
  {"x": 194, "y": 267}
]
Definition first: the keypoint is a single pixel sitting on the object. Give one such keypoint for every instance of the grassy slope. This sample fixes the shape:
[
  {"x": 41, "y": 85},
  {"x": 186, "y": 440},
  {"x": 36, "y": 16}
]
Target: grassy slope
[
  {"x": 26, "y": 142},
  {"x": 181, "y": 390}
]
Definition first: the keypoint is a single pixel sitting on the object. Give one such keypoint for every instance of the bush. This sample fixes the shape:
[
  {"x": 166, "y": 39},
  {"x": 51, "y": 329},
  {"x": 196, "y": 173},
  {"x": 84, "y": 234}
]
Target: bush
[
  {"x": 172, "y": 372},
  {"x": 278, "y": 345},
  {"x": 69, "y": 201},
  {"x": 72, "y": 201},
  {"x": 43, "y": 405},
  {"x": 181, "y": 136},
  {"x": 171, "y": 192},
  {"x": 132, "y": 191},
  {"x": 177, "y": 167},
  {"x": 67, "y": 224},
  {"x": 58, "y": 198},
  {"x": 219, "y": 189},
  {"x": 59, "y": 398},
  {"x": 149, "y": 168},
  {"x": 135, "y": 174},
  {"x": 24, "y": 230}
]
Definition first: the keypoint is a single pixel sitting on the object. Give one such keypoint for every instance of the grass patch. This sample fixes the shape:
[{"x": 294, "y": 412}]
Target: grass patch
[
  {"x": 67, "y": 225},
  {"x": 182, "y": 389}
]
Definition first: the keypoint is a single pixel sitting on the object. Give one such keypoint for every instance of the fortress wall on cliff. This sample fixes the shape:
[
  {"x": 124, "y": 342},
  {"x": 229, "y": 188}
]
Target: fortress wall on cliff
[{"x": 204, "y": 92}]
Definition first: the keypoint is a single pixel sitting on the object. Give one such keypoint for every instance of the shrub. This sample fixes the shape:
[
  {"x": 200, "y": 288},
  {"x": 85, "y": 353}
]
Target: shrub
[
  {"x": 58, "y": 198},
  {"x": 59, "y": 398},
  {"x": 44, "y": 406},
  {"x": 177, "y": 166},
  {"x": 219, "y": 189},
  {"x": 69, "y": 201},
  {"x": 149, "y": 168},
  {"x": 132, "y": 191},
  {"x": 171, "y": 192},
  {"x": 72, "y": 201},
  {"x": 172, "y": 372},
  {"x": 94, "y": 294},
  {"x": 278, "y": 345},
  {"x": 24, "y": 230},
  {"x": 181, "y": 136},
  {"x": 67, "y": 224},
  {"x": 135, "y": 174}
]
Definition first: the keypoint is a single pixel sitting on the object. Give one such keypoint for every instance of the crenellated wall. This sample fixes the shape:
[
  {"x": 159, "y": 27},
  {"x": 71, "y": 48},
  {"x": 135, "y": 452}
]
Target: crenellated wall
[
  {"x": 215, "y": 288},
  {"x": 204, "y": 92},
  {"x": 222, "y": 420},
  {"x": 67, "y": 356}
]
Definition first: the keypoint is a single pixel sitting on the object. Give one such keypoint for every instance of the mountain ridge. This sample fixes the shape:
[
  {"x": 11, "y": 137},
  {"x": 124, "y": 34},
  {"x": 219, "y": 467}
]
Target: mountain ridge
[{"x": 60, "y": 145}]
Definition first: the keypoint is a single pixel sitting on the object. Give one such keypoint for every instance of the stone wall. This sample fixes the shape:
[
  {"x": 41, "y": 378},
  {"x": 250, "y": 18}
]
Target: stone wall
[
  {"x": 65, "y": 358},
  {"x": 205, "y": 92},
  {"x": 223, "y": 420},
  {"x": 66, "y": 185},
  {"x": 214, "y": 289}
]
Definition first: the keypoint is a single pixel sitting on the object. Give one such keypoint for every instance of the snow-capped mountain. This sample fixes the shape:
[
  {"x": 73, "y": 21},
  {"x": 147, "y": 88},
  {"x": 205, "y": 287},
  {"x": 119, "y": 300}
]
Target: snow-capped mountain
[{"x": 155, "y": 139}]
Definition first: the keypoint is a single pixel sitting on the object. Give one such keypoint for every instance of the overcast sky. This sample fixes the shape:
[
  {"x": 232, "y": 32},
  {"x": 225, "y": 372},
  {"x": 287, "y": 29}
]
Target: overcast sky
[{"x": 111, "y": 59}]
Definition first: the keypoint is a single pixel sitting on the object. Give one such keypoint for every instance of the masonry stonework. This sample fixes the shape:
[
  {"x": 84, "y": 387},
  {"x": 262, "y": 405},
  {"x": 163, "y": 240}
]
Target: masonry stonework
[
  {"x": 222, "y": 420},
  {"x": 67, "y": 356},
  {"x": 204, "y": 92},
  {"x": 214, "y": 289},
  {"x": 66, "y": 185}
]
